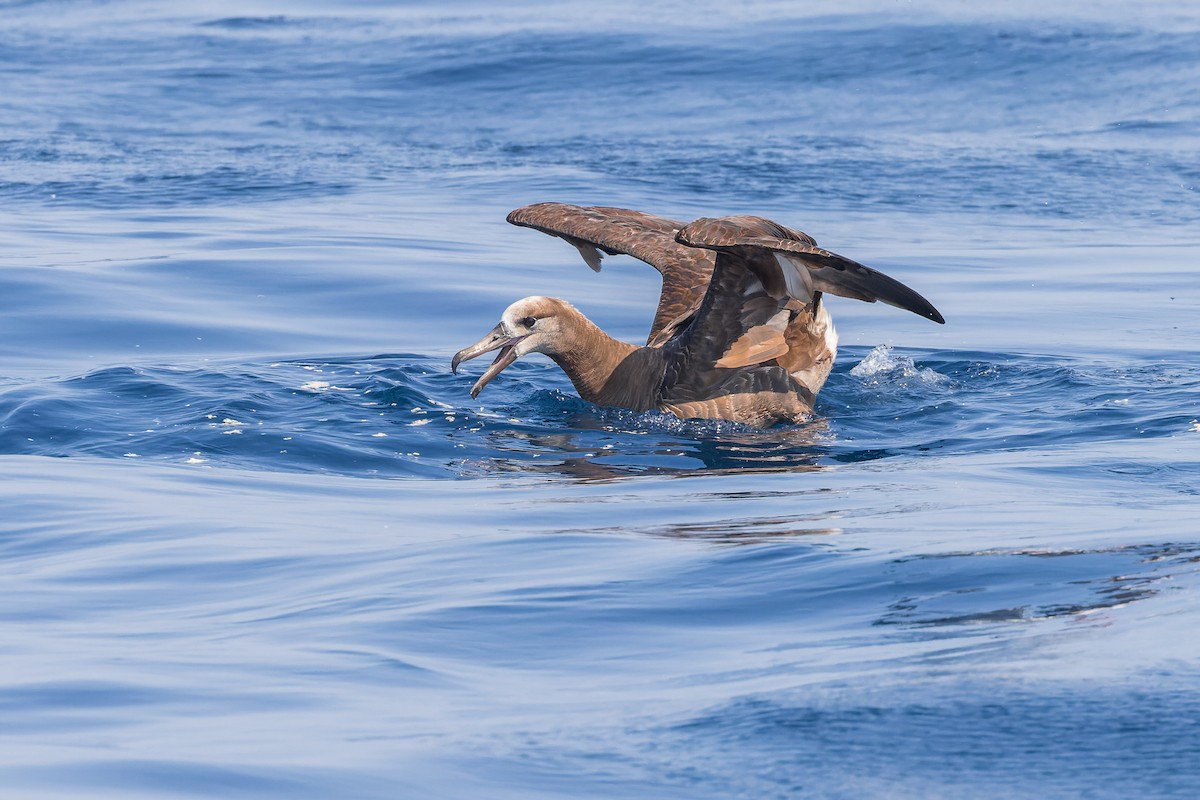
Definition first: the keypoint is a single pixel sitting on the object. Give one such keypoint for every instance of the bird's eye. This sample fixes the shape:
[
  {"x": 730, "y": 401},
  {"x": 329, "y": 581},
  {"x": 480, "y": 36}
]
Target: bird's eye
[{"x": 528, "y": 322}]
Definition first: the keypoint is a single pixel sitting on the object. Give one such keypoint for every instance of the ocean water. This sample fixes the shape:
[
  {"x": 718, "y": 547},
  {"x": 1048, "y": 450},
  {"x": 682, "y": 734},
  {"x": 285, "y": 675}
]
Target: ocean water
[{"x": 257, "y": 541}]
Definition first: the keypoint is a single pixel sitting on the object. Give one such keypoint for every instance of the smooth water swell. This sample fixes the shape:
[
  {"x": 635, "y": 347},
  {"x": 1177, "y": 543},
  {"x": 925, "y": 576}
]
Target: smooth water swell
[{"x": 740, "y": 635}]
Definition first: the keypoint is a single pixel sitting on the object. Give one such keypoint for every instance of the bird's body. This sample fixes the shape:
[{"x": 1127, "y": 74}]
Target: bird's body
[{"x": 740, "y": 333}]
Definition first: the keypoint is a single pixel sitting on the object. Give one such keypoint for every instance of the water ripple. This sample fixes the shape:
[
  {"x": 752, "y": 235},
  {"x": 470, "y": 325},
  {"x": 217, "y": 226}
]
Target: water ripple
[{"x": 405, "y": 415}]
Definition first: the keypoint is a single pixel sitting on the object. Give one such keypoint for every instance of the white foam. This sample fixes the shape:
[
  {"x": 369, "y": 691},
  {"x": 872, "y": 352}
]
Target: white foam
[
  {"x": 883, "y": 363},
  {"x": 324, "y": 386}
]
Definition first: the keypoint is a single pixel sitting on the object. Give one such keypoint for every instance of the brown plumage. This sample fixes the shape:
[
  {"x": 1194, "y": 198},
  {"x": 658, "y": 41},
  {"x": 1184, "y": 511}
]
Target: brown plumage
[{"x": 740, "y": 332}]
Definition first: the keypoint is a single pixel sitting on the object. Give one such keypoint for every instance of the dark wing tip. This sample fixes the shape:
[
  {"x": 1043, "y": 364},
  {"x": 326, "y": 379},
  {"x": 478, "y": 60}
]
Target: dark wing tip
[
  {"x": 919, "y": 306},
  {"x": 895, "y": 293},
  {"x": 924, "y": 310},
  {"x": 891, "y": 291}
]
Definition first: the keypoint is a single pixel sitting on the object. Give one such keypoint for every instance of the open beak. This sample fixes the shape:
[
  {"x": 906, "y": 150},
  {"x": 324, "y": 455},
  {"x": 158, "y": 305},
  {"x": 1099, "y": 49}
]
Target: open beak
[{"x": 496, "y": 339}]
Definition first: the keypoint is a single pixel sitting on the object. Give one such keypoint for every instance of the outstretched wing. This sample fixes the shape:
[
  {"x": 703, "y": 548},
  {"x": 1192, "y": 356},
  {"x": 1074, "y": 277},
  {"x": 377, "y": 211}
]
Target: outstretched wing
[
  {"x": 762, "y": 310},
  {"x": 685, "y": 270},
  {"x": 802, "y": 265}
]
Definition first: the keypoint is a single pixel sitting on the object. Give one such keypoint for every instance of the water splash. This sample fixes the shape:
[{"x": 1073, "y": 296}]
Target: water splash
[{"x": 882, "y": 366}]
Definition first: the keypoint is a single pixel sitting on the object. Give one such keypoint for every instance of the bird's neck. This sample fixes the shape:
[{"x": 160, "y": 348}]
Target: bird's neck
[{"x": 606, "y": 371}]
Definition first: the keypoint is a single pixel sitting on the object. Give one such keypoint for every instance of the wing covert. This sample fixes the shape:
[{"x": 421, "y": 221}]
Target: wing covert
[{"x": 593, "y": 230}]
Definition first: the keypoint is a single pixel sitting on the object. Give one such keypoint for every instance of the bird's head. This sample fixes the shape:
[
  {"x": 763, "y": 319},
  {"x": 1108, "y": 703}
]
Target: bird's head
[{"x": 531, "y": 325}]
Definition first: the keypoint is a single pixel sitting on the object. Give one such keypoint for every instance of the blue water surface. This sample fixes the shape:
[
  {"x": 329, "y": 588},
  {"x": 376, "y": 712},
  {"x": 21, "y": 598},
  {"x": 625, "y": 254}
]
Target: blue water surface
[{"x": 258, "y": 541}]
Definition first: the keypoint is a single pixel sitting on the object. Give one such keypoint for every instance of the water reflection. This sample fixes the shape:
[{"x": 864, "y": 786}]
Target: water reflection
[
  {"x": 735, "y": 531},
  {"x": 592, "y": 447},
  {"x": 954, "y": 589}
]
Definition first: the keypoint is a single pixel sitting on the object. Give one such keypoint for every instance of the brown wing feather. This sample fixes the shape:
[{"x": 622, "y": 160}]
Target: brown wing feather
[
  {"x": 818, "y": 269},
  {"x": 685, "y": 270},
  {"x": 759, "y": 320},
  {"x": 740, "y": 325}
]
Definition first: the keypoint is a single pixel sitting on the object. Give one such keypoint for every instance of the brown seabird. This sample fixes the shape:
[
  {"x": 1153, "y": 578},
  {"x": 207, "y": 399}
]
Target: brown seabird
[{"x": 740, "y": 332}]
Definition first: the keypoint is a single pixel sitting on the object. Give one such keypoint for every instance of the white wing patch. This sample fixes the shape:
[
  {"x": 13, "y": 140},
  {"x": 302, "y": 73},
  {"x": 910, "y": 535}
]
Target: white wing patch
[{"x": 796, "y": 276}]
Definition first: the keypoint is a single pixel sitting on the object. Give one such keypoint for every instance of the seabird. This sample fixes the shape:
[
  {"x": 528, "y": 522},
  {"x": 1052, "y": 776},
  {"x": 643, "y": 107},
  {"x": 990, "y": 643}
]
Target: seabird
[{"x": 740, "y": 332}]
